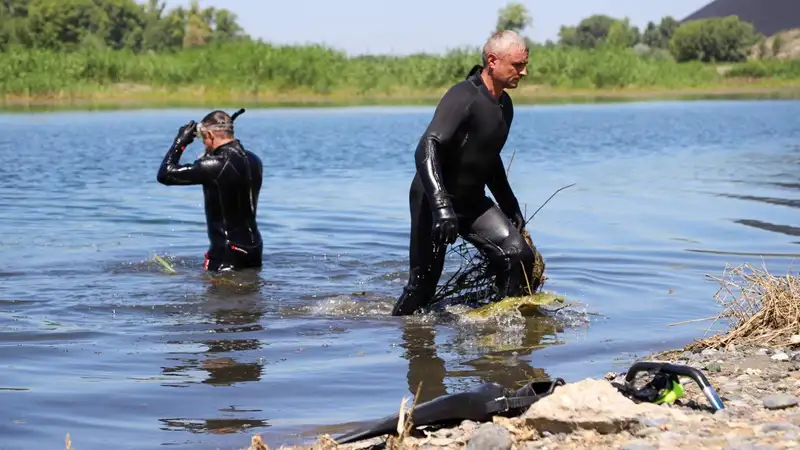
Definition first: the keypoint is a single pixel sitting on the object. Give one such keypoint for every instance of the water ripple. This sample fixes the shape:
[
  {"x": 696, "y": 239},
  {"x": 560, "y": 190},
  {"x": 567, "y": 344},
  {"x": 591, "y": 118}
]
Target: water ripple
[{"x": 665, "y": 193}]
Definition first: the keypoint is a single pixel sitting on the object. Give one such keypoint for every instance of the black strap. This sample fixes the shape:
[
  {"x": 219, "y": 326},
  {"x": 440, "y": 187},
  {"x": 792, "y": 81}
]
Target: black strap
[
  {"x": 506, "y": 403},
  {"x": 503, "y": 404}
]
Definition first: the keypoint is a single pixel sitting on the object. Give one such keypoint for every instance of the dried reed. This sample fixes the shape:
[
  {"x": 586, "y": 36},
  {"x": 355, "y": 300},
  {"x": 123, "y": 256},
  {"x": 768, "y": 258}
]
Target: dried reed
[{"x": 761, "y": 309}]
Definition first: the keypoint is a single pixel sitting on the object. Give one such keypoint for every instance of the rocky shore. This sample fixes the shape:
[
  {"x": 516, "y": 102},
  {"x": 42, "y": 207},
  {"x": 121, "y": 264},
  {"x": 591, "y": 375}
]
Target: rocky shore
[
  {"x": 754, "y": 367},
  {"x": 760, "y": 388}
]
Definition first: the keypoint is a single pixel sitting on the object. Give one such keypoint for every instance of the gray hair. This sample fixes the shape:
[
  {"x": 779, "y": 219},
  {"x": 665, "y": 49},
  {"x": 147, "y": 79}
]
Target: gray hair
[{"x": 502, "y": 42}]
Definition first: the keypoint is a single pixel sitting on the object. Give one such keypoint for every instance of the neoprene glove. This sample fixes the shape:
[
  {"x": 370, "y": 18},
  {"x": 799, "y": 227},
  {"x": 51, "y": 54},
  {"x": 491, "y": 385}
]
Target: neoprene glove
[
  {"x": 185, "y": 135},
  {"x": 445, "y": 225},
  {"x": 518, "y": 220}
]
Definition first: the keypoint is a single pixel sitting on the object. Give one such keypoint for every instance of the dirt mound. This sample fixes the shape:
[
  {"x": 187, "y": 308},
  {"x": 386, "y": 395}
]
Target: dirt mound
[{"x": 783, "y": 45}]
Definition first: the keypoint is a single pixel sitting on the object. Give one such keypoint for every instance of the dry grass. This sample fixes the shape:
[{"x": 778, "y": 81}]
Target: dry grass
[
  {"x": 405, "y": 425},
  {"x": 323, "y": 443},
  {"x": 761, "y": 309}
]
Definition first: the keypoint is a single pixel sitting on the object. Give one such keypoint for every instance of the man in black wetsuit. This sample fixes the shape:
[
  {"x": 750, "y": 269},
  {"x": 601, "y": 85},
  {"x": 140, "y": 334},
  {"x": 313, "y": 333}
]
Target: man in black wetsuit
[
  {"x": 456, "y": 158},
  {"x": 231, "y": 178}
]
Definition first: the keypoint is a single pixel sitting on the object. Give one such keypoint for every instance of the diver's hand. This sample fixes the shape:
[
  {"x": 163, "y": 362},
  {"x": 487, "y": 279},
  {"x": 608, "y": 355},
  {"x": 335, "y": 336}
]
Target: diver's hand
[
  {"x": 518, "y": 220},
  {"x": 445, "y": 225},
  {"x": 185, "y": 135}
]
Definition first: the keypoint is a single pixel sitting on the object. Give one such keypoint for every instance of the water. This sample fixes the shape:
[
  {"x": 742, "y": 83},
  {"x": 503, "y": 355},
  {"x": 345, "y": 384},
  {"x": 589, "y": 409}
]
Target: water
[{"x": 96, "y": 341}]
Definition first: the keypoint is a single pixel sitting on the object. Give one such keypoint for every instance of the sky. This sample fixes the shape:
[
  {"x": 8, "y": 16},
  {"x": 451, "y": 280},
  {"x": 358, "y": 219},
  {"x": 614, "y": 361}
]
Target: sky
[{"x": 433, "y": 26}]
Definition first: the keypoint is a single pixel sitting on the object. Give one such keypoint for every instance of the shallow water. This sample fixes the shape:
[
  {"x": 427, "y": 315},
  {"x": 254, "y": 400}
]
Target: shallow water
[{"x": 98, "y": 342}]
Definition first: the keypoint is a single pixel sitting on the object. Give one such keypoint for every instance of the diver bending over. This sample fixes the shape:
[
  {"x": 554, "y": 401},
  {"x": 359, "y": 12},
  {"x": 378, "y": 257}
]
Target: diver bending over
[
  {"x": 231, "y": 177},
  {"x": 457, "y": 157}
]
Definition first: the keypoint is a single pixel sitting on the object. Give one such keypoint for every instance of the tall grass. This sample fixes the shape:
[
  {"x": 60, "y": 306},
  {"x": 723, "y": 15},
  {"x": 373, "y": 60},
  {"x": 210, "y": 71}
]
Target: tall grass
[
  {"x": 258, "y": 68},
  {"x": 781, "y": 70}
]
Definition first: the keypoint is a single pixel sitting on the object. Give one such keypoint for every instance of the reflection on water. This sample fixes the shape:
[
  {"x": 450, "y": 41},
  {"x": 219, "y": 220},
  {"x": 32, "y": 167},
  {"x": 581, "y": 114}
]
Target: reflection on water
[
  {"x": 232, "y": 303},
  {"x": 495, "y": 350},
  {"x": 792, "y": 203},
  {"x": 785, "y": 229},
  {"x": 213, "y": 426},
  {"x": 665, "y": 193},
  {"x": 502, "y": 359}
]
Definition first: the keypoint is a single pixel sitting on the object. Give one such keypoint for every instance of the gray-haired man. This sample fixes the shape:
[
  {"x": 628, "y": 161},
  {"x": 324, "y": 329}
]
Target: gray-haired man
[{"x": 456, "y": 158}]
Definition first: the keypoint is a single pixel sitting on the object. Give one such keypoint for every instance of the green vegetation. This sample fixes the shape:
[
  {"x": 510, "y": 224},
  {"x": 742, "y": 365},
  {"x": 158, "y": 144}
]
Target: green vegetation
[
  {"x": 123, "y": 51},
  {"x": 726, "y": 39}
]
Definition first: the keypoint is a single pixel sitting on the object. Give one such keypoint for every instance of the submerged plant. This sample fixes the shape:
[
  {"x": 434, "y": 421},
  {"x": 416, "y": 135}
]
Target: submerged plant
[{"x": 474, "y": 281}]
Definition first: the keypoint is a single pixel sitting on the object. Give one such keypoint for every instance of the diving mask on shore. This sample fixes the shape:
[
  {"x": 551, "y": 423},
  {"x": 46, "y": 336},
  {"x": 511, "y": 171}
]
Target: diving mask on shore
[{"x": 666, "y": 387}]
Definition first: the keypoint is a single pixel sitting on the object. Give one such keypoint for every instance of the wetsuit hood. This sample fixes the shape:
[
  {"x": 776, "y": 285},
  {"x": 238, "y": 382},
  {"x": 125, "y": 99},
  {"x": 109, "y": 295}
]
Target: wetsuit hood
[
  {"x": 474, "y": 76},
  {"x": 475, "y": 69}
]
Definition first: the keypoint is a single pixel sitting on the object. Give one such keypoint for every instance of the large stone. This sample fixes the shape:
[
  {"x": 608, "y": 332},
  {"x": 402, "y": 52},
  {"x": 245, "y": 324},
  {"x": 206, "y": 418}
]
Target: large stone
[
  {"x": 780, "y": 401},
  {"x": 592, "y": 405},
  {"x": 489, "y": 436}
]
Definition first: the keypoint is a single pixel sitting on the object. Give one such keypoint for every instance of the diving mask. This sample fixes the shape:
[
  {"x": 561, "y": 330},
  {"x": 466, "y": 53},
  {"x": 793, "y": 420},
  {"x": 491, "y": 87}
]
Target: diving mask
[{"x": 222, "y": 126}]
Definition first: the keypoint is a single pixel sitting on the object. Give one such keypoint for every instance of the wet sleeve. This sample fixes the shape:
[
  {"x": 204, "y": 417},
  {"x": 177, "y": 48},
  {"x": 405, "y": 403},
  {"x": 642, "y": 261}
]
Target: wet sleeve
[
  {"x": 451, "y": 112},
  {"x": 501, "y": 189},
  {"x": 201, "y": 171},
  {"x": 498, "y": 181}
]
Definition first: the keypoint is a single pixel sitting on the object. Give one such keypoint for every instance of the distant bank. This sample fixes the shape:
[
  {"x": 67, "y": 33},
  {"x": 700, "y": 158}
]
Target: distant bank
[
  {"x": 141, "y": 55},
  {"x": 130, "y": 96},
  {"x": 264, "y": 75}
]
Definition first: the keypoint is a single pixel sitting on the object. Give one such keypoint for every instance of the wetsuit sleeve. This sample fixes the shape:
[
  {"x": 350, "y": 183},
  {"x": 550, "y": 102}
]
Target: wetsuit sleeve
[
  {"x": 501, "y": 189},
  {"x": 452, "y": 110},
  {"x": 198, "y": 172},
  {"x": 498, "y": 181}
]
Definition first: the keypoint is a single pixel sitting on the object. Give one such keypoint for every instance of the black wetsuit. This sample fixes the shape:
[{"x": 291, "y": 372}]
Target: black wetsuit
[
  {"x": 231, "y": 177},
  {"x": 457, "y": 157}
]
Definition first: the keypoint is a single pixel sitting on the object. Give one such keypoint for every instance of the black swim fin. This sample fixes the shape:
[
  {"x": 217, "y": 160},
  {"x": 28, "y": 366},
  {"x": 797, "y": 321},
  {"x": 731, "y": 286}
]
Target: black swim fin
[{"x": 479, "y": 405}]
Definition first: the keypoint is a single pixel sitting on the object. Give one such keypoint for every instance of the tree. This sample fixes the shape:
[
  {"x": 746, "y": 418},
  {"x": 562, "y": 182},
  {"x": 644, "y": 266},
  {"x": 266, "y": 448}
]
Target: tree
[
  {"x": 13, "y": 27},
  {"x": 67, "y": 25},
  {"x": 155, "y": 28},
  {"x": 594, "y": 30},
  {"x": 514, "y": 16},
  {"x": 726, "y": 39},
  {"x": 226, "y": 27},
  {"x": 621, "y": 34},
  {"x": 658, "y": 36},
  {"x": 64, "y": 24},
  {"x": 198, "y": 29},
  {"x": 126, "y": 20}
]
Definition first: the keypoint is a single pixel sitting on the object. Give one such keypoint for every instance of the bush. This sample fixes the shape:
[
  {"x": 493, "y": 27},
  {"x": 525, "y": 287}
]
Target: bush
[{"x": 725, "y": 39}]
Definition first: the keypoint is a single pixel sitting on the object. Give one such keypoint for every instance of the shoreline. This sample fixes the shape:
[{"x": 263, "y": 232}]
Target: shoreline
[
  {"x": 753, "y": 366},
  {"x": 128, "y": 96},
  {"x": 759, "y": 386}
]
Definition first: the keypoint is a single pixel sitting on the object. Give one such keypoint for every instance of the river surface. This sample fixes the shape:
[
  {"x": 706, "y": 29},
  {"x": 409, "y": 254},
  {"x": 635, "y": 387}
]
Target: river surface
[{"x": 97, "y": 341}]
